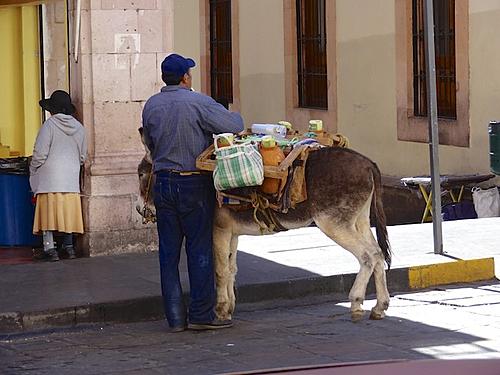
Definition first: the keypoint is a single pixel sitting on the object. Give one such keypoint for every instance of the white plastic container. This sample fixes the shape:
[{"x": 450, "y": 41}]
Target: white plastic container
[{"x": 278, "y": 131}]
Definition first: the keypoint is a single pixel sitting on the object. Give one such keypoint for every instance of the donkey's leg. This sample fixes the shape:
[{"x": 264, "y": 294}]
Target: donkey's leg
[
  {"x": 233, "y": 269},
  {"x": 221, "y": 247},
  {"x": 353, "y": 241},
  {"x": 378, "y": 311},
  {"x": 383, "y": 297}
]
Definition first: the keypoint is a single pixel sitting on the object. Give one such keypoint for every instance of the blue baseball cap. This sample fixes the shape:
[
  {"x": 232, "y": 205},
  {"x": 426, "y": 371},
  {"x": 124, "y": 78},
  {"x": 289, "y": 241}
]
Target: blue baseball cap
[{"x": 177, "y": 64}]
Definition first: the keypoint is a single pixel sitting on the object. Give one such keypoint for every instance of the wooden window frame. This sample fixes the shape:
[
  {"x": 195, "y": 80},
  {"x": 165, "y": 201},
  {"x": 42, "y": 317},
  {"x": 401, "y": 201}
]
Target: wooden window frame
[
  {"x": 205, "y": 57},
  {"x": 454, "y": 132},
  {"x": 299, "y": 117},
  {"x": 310, "y": 91},
  {"x": 219, "y": 72},
  {"x": 445, "y": 59}
]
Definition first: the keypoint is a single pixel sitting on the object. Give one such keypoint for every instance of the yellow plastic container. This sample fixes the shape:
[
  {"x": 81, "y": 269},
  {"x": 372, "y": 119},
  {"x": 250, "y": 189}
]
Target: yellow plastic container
[
  {"x": 273, "y": 156},
  {"x": 268, "y": 141},
  {"x": 315, "y": 125}
]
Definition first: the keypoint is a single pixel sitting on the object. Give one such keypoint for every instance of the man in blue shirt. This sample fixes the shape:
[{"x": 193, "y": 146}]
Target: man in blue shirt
[{"x": 178, "y": 126}]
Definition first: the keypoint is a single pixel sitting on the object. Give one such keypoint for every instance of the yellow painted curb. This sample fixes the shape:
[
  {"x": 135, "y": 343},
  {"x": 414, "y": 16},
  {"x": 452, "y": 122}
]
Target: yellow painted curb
[{"x": 459, "y": 271}]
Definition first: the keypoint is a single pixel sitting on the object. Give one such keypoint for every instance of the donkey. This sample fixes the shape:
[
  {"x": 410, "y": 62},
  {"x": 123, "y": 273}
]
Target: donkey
[{"x": 343, "y": 187}]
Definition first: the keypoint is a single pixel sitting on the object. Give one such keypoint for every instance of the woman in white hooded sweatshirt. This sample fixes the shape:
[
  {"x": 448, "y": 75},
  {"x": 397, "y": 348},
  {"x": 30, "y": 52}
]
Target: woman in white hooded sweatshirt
[{"x": 60, "y": 149}]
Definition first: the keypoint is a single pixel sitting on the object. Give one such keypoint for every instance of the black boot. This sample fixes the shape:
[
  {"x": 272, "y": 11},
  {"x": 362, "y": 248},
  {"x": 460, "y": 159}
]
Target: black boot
[
  {"x": 71, "y": 252},
  {"x": 52, "y": 255}
]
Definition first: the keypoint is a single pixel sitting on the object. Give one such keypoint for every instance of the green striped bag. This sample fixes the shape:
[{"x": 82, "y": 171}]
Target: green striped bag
[{"x": 237, "y": 165}]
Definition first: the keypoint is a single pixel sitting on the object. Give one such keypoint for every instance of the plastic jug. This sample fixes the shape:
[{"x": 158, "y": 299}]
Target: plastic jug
[{"x": 271, "y": 155}]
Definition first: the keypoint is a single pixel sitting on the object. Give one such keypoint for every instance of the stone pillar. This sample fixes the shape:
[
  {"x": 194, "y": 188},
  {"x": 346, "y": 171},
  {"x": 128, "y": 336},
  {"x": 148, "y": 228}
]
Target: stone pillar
[
  {"x": 122, "y": 45},
  {"x": 55, "y": 51}
]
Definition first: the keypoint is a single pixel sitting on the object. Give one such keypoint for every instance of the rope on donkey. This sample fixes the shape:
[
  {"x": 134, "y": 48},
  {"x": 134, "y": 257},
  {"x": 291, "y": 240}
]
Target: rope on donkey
[{"x": 269, "y": 222}]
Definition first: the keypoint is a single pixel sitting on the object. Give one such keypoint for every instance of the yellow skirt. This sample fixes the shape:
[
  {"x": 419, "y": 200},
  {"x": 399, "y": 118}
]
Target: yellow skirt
[{"x": 61, "y": 212}]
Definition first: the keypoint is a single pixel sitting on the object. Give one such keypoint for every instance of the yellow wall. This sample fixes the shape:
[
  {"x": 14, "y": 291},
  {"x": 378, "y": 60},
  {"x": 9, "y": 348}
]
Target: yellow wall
[
  {"x": 367, "y": 88},
  {"x": 366, "y": 77},
  {"x": 20, "y": 77},
  {"x": 262, "y": 61},
  {"x": 484, "y": 56},
  {"x": 261, "y": 58}
]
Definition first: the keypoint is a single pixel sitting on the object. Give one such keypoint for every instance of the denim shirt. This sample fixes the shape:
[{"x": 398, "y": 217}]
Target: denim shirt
[{"x": 178, "y": 126}]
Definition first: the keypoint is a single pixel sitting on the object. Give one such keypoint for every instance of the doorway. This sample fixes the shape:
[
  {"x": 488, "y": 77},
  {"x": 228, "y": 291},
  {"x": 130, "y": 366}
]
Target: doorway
[
  {"x": 34, "y": 63},
  {"x": 34, "y": 48}
]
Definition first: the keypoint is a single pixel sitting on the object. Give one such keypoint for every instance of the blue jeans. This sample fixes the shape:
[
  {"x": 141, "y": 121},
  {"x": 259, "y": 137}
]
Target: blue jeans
[{"x": 184, "y": 209}]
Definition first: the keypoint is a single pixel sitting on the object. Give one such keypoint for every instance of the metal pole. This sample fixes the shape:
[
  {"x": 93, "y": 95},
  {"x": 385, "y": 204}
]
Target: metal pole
[
  {"x": 430, "y": 60},
  {"x": 78, "y": 18}
]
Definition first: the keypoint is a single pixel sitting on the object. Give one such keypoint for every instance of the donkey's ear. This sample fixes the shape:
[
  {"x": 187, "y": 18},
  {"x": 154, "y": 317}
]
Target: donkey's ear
[{"x": 141, "y": 130}]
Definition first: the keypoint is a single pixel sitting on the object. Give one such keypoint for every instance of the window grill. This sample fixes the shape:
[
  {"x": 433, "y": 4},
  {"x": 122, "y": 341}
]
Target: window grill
[
  {"x": 311, "y": 54},
  {"x": 444, "y": 38},
  {"x": 221, "y": 71}
]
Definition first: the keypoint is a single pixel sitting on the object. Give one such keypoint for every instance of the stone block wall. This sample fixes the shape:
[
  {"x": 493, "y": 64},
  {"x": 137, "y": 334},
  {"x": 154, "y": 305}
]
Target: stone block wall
[
  {"x": 55, "y": 57},
  {"x": 122, "y": 44}
]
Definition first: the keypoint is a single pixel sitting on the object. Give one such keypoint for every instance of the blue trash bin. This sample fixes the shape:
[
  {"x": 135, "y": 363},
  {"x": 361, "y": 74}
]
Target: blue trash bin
[{"x": 16, "y": 210}]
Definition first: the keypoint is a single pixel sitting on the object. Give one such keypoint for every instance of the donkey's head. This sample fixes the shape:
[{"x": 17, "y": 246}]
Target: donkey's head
[{"x": 145, "y": 201}]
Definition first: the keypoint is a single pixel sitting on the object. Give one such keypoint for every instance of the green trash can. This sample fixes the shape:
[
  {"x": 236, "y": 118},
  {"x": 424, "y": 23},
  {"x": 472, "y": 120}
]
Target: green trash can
[{"x": 494, "y": 132}]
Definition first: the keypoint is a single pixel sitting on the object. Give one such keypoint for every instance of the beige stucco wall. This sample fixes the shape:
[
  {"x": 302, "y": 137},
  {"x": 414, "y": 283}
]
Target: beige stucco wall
[
  {"x": 366, "y": 79},
  {"x": 261, "y": 61},
  {"x": 366, "y": 85},
  {"x": 259, "y": 30},
  {"x": 485, "y": 77},
  {"x": 367, "y": 88}
]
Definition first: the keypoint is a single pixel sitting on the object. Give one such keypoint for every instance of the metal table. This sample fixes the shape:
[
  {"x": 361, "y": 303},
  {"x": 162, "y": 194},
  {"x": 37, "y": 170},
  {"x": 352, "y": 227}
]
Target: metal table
[{"x": 449, "y": 185}]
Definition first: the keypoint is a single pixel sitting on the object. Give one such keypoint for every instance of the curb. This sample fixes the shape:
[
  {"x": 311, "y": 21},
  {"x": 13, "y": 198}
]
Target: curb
[
  {"x": 460, "y": 271},
  {"x": 151, "y": 308}
]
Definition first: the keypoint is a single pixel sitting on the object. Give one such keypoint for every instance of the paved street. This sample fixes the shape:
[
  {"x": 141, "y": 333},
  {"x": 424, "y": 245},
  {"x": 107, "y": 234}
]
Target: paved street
[{"x": 447, "y": 323}]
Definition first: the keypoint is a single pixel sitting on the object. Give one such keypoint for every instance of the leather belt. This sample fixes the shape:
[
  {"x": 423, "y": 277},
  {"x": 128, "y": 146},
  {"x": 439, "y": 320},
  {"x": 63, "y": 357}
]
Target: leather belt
[{"x": 181, "y": 173}]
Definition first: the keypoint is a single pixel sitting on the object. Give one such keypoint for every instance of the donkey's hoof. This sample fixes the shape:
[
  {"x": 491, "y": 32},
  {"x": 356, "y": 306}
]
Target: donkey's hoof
[
  {"x": 375, "y": 315},
  {"x": 222, "y": 311},
  {"x": 357, "y": 316},
  {"x": 225, "y": 316}
]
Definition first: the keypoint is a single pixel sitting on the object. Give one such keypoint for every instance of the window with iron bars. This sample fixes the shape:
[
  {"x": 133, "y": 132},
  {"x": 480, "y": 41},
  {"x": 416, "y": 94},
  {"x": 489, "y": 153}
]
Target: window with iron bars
[
  {"x": 311, "y": 54},
  {"x": 444, "y": 39},
  {"x": 221, "y": 72}
]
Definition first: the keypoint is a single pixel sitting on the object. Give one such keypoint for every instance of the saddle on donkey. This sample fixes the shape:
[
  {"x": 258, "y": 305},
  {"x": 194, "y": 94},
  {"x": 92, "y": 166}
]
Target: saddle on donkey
[{"x": 280, "y": 186}]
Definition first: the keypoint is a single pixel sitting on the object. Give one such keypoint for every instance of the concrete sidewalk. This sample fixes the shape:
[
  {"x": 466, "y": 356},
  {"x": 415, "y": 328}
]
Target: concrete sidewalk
[{"x": 291, "y": 264}]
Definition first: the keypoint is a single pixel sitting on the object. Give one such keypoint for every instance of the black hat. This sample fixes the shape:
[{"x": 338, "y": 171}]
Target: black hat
[{"x": 59, "y": 102}]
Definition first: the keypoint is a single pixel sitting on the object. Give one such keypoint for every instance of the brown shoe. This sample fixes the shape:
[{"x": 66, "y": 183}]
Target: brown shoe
[{"x": 214, "y": 324}]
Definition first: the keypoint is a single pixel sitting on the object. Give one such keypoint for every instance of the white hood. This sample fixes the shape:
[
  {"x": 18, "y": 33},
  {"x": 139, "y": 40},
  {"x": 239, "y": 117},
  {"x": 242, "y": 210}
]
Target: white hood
[{"x": 66, "y": 123}]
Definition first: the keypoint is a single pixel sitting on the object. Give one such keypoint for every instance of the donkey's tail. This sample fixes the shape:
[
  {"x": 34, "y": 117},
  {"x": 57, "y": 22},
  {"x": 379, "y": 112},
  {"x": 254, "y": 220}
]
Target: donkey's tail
[{"x": 379, "y": 216}]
